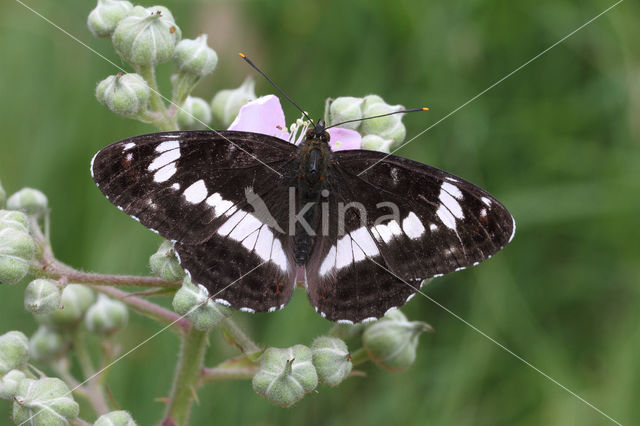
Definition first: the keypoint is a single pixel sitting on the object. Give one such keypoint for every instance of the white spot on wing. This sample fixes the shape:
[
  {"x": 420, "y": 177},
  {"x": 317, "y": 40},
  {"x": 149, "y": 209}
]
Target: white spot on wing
[
  {"x": 175, "y": 186},
  {"x": 344, "y": 254},
  {"x": 231, "y": 223},
  {"x": 363, "y": 239},
  {"x": 451, "y": 189},
  {"x": 165, "y": 173},
  {"x": 164, "y": 159},
  {"x": 344, "y": 321},
  {"x": 91, "y": 167},
  {"x": 486, "y": 201},
  {"x": 196, "y": 192},
  {"x": 446, "y": 217},
  {"x": 248, "y": 225},
  {"x": 513, "y": 233},
  {"x": 412, "y": 226},
  {"x": 451, "y": 203},
  {"x": 433, "y": 227},
  {"x": 263, "y": 244},
  {"x": 329, "y": 262},
  {"x": 278, "y": 256},
  {"x": 128, "y": 146},
  {"x": 167, "y": 146},
  {"x": 245, "y": 309}
]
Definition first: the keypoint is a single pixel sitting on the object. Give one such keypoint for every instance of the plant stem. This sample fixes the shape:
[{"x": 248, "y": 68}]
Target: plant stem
[
  {"x": 186, "y": 376},
  {"x": 56, "y": 271},
  {"x": 215, "y": 374},
  {"x": 238, "y": 337},
  {"x": 146, "y": 308},
  {"x": 95, "y": 392},
  {"x": 165, "y": 122},
  {"x": 359, "y": 356}
]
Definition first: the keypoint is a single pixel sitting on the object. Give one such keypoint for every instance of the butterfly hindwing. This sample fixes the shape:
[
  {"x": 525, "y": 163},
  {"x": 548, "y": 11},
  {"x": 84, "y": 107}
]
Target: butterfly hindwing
[
  {"x": 207, "y": 191},
  {"x": 442, "y": 224}
]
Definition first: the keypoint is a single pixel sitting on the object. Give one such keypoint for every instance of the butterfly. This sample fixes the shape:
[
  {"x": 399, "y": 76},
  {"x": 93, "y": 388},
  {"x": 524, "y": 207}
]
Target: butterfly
[{"x": 367, "y": 228}]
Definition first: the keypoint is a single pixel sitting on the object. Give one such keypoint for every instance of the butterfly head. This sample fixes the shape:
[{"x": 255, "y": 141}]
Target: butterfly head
[{"x": 318, "y": 132}]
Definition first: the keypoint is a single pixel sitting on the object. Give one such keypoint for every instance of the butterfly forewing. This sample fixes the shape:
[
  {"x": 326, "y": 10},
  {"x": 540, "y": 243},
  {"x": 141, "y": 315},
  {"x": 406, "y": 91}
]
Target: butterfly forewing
[
  {"x": 442, "y": 224},
  {"x": 199, "y": 189}
]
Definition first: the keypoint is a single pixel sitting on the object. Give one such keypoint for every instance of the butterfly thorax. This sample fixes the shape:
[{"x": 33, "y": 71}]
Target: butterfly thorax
[{"x": 314, "y": 155}]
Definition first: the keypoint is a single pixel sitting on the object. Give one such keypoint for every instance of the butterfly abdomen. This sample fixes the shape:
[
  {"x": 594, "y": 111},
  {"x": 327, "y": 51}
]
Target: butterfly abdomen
[{"x": 314, "y": 155}]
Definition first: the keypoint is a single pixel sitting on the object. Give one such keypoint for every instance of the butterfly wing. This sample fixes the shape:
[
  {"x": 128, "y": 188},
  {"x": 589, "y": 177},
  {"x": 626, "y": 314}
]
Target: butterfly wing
[
  {"x": 441, "y": 224},
  {"x": 204, "y": 190}
]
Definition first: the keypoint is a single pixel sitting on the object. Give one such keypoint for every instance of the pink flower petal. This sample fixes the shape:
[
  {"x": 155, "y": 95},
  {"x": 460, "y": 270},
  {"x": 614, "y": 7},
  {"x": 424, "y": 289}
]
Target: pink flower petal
[
  {"x": 263, "y": 115},
  {"x": 343, "y": 139}
]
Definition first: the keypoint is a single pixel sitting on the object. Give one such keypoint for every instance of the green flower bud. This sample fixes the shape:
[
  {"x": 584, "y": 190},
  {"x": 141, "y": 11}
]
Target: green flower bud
[
  {"x": 194, "y": 302},
  {"x": 347, "y": 331},
  {"x": 332, "y": 359},
  {"x": 14, "y": 219},
  {"x": 195, "y": 56},
  {"x": 47, "y": 344},
  {"x": 346, "y": 108},
  {"x": 29, "y": 200},
  {"x": 115, "y": 418},
  {"x": 3, "y": 195},
  {"x": 227, "y": 103},
  {"x": 104, "y": 18},
  {"x": 16, "y": 252},
  {"x": 14, "y": 351},
  {"x": 42, "y": 296},
  {"x": 391, "y": 342},
  {"x": 74, "y": 302},
  {"x": 124, "y": 94},
  {"x": 44, "y": 402},
  {"x": 106, "y": 316},
  {"x": 9, "y": 383},
  {"x": 376, "y": 143},
  {"x": 164, "y": 263},
  {"x": 146, "y": 37},
  {"x": 195, "y": 114},
  {"x": 389, "y": 127},
  {"x": 285, "y": 375}
]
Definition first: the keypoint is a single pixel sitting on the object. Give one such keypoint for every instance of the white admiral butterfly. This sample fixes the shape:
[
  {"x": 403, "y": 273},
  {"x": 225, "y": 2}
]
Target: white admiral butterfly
[{"x": 208, "y": 192}]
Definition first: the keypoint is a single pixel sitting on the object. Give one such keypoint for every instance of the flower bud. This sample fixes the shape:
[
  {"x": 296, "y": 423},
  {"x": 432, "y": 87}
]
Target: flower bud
[
  {"x": 389, "y": 127},
  {"x": 331, "y": 359},
  {"x": 3, "y": 195},
  {"x": 9, "y": 384},
  {"x": 391, "y": 342},
  {"x": 74, "y": 302},
  {"x": 14, "y": 351},
  {"x": 106, "y": 316},
  {"x": 346, "y": 108},
  {"x": 14, "y": 219},
  {"x": 146, "y": 36},
  {"x": 42, "y": 296},
  {"x": 164, "y": 263},
  {"x": 124, "y": 94},
  {"x": 46, "y": 401},
  {"x": 194, "y": 302},
  {"x": 16, "y": 252},
  {"x": 195, "y": 114},
  {"x": 285, "y": 375},
  {"x": 29, "y": 200},
  {"x": 376, "y": 143},
  {"x": 195, "y": 56},
  {"x": 115, "y": 418},
  {"x": 46, "y": 344},
  {"x": 227, "y": 103},
  {"x": 104, "y": 18}
]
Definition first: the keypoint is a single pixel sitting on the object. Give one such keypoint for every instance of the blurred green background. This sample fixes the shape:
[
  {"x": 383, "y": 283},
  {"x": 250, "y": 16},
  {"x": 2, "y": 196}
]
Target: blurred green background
[{"x": 558, "y": 143}]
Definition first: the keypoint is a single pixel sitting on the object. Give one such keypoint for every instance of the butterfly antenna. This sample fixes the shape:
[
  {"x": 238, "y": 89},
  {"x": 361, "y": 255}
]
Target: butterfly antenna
[
  {"x": 255, "y": 67},
  {"x": 404, "y": 111}
]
